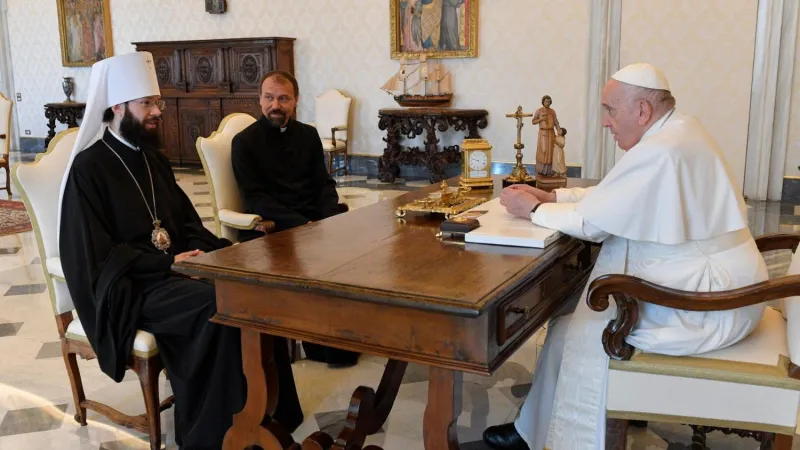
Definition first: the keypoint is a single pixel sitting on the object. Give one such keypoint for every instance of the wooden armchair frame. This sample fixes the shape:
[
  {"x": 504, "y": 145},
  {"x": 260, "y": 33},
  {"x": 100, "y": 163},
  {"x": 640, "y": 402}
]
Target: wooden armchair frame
[{"x": 627, "y": 291}]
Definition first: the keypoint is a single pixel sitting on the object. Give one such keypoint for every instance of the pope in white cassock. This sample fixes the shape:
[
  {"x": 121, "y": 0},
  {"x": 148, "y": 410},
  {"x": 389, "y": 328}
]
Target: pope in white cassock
[{"x": 669, "y": 213}]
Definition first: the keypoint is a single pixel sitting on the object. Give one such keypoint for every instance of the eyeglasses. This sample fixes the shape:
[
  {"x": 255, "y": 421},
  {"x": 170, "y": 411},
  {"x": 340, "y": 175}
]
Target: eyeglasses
[{"x": 148, "y": 104}]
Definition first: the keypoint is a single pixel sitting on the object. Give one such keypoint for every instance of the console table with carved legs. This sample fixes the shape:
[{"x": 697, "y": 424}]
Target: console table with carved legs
[
  {"x": 369, "y": 282},
  {"x": 413, "y": 122},
  {"x": 66, "y": 113}
]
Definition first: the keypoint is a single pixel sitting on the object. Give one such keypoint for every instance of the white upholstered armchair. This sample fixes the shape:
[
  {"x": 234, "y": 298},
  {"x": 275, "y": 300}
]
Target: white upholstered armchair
[
  {"x": 751, "y": 388},
  {"x": 39, "y": 184},
  {"x": 332, "y": 115},
  {"x": 226, "y": 201},
  {"x": 5, "y": 139}
]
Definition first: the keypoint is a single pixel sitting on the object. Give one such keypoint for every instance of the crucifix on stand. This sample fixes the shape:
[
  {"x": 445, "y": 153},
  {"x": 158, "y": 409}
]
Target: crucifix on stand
[{"x": 518, "y": 174}]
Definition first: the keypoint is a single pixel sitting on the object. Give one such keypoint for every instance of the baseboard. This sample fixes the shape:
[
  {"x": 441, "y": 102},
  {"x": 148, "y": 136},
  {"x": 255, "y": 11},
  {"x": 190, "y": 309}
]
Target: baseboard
[
  {"x": 791, "y": 190},
  {"x": 367, "y": 165},
  {"x": 31, "y": 145}
]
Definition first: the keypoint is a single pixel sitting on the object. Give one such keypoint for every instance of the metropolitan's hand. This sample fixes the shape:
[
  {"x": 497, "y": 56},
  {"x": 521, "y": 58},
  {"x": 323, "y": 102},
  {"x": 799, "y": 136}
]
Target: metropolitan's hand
[
  {"x": 186, "y": 255},
  {"x": 542, "y": 196},
  {"x": 518, "y": 202}
]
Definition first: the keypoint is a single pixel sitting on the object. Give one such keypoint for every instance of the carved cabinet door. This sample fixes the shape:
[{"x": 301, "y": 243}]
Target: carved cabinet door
[
  {"x": 242, "y": 105},
  {"x": 247, "y": 66},
  {"x": 169, "y": 70},
  {"x": 198, "y": 117},
  {"x": 206, "y": 70},
  {"x": 170, "y": 134}
]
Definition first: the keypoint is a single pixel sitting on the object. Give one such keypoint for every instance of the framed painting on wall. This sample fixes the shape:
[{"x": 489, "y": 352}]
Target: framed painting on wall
[
  {"x": 85, "y": 29},
  {"x": 437, "y": 28}
]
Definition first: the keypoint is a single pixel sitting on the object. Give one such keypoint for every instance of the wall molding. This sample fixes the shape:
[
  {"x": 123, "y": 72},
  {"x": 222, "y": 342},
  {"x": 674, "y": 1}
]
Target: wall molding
[
  {"x": 770, "y": 98},
  {"x": 604, "y": 45}
]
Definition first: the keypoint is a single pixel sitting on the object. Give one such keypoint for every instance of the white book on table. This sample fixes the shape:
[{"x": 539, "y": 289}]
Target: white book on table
[{"x": 499, "y": 227}]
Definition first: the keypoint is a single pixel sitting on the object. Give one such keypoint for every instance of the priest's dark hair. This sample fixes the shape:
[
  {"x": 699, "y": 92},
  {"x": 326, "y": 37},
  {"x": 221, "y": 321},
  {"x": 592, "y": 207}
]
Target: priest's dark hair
[
  {"x": 108, "y": 115},
  {"x": 283, "y": 77}
]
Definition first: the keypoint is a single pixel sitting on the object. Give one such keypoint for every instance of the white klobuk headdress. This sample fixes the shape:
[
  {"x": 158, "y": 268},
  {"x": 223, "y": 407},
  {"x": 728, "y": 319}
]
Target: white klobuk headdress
[{"x": 114, "y": 80}]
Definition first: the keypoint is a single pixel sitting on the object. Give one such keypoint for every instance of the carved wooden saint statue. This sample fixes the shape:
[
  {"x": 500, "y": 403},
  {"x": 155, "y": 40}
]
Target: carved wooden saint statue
[{"x": 546, "y": 118}]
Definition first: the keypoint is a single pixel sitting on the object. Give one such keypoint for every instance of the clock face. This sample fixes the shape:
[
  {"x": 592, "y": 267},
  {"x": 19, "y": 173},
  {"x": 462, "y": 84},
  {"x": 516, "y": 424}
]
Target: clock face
[{"x": 478, "y": 160}]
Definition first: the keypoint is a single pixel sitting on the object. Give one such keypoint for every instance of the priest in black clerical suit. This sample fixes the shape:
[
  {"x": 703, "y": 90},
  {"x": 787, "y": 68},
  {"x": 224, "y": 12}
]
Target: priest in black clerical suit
[
  {"x": 123, "y": 222},
  {"x": 279, "y": 166}
]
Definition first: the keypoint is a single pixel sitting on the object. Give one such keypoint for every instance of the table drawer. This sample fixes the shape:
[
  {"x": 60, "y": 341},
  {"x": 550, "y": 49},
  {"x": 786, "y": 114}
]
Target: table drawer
[{"x": 513, "y": 315}]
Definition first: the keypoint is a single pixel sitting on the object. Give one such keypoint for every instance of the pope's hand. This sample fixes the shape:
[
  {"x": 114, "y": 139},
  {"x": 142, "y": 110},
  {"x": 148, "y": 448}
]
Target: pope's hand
[
  {"x": 518, "y": 202},
  {"x": 186, "y": 255},
  {"x": 542, "y": 196}
]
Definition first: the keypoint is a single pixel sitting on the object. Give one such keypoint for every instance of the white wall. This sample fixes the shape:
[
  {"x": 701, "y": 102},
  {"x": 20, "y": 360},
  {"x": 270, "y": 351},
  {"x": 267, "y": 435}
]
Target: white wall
[
  {"x": 527, "y": 48},
  {"x": 706, "y": 51}
]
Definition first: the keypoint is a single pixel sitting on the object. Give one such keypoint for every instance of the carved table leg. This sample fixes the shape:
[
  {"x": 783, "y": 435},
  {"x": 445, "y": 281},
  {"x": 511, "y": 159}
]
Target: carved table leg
[
  {"x": 366, "y": 414},
  {"x": 444, "y": 407},
  {"x": 433, "y": 160},
  {"x": 388, "y": 167},
  {"x": 698, "y": 438},
  {"x": 387, "y": 393},
  {"x": 51, "y": 125},
  {"x": 262, "y": 396}
]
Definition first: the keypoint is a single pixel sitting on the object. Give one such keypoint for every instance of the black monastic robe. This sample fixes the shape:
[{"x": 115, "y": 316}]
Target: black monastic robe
[
  {"x": 282, "y": 177},
  {"x": 120, "y": 282}
]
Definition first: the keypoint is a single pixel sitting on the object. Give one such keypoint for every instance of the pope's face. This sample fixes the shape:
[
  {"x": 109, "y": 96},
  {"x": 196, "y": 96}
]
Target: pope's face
[
  {"x": 277, "y": 101},
  {"x": 621, "y": 116}
]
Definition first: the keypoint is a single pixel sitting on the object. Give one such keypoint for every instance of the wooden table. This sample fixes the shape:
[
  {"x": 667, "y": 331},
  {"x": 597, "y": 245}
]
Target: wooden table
[
  {"x": 369, "y": 282},
  {"x": 412, "y": 122},
  {"x": 68, "y": 113}
]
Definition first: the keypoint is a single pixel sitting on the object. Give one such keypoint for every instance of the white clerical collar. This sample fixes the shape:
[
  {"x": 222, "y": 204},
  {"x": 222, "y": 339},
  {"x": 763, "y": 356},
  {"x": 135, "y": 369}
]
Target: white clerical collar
[
  {"x": 658, "y": 123},
  {"x": 283, "y": 129},
  {"x": 120, "y": 138}
]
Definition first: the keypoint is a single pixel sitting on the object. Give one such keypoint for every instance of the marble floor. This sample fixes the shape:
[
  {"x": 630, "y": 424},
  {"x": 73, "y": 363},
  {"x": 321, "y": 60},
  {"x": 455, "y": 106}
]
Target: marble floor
[{"x": 36, "y": 406}]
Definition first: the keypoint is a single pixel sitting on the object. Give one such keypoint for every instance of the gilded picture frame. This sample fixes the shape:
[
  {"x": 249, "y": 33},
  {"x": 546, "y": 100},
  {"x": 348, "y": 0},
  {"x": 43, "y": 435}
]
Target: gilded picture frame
[
  {"x": 436, "y": 28},
  {"x": 84, "y": 27}
]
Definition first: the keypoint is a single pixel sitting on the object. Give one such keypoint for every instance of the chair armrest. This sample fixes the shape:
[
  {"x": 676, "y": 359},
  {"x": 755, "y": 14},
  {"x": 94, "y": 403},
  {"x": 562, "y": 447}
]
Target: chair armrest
[
  {"x": 769, "y": 242},
  {"x": 628, "y": 291},
  {"x": 242, "y": 221},
  {"x": 333, "y": 133}
]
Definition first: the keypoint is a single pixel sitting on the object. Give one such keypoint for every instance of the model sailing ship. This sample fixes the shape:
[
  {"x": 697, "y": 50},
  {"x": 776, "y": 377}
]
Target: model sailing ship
[{"x": 419, "y": 84}]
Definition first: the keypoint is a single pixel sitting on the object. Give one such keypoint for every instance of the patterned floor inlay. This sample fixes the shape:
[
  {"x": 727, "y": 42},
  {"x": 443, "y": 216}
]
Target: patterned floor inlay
[
  {"x": 32, "y": 420},
  {"x": 10, "y": 329},
  {"x": 26, "y": 289},
  {"x": 49, "y": 350}
]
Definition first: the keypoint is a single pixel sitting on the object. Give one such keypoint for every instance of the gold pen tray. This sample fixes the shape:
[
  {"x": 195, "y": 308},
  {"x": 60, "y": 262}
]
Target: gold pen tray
[{"x": 450, "y": 201}]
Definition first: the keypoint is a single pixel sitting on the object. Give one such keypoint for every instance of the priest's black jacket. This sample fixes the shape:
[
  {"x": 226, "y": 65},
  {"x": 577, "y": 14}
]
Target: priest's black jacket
[{"x": 281, "y": 174}]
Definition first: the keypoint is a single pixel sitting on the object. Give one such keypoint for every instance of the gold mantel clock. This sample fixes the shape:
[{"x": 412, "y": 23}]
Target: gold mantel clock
[{"x": 476, "y": 170}]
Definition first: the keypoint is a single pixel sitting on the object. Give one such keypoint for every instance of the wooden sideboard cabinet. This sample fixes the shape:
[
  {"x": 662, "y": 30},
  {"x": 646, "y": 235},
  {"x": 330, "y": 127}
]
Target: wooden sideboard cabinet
[{"x": 204, "y": 81}]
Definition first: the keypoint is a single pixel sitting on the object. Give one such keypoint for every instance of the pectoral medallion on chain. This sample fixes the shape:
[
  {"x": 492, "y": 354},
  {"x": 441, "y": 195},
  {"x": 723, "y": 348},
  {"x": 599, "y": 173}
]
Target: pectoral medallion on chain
[{"x": 160, "y": 237}]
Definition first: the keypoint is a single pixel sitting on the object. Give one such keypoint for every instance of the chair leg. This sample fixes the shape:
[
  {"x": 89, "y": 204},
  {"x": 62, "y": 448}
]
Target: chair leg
[
  {"x": 78, "y": 396},
  {"x": 330, "y": 162},
  {"x": 148, "y": 371},
  {"x": 8, "y": 178},
  {"x": 292, "y": 350},
  {"x": 616, "y": 434}
]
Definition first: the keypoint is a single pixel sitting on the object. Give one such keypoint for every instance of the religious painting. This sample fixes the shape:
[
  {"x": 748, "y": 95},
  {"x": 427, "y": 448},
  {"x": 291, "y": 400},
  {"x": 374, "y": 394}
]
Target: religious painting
[
  {"x": 85, "y": 29},
  {"x": 436, "y": 28}
]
